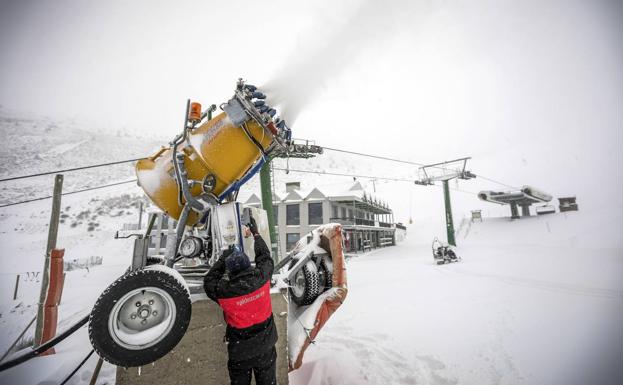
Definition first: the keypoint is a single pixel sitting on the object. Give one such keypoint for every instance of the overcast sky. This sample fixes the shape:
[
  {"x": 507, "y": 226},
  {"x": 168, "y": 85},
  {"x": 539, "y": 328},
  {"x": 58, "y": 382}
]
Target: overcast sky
[{"x": 532, "y": 90}]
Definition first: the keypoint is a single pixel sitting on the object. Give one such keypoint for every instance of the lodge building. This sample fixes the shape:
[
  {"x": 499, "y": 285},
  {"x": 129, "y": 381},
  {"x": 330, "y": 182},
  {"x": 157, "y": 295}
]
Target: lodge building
[{"x": 367, "y": 222}]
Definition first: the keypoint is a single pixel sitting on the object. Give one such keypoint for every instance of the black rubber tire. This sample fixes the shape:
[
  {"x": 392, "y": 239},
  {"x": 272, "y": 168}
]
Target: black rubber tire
[
  {"x": 312, "y": 288},
  {"x": 440, "y": 262},
  {"x": 99, "y": 333},
  {"x": 325, "y": 274}
]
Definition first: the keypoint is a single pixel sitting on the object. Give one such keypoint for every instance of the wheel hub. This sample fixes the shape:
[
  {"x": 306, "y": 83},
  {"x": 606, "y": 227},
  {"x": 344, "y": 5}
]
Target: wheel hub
[
  {"x": 299, "y": 283},
  {"x": 140, "y": 310}
]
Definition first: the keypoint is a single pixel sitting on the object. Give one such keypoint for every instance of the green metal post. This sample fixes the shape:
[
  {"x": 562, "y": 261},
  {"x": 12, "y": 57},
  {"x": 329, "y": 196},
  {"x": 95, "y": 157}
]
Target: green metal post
[
  {"x": 267, "y": 204},
  {"x": 449, "y": 222}
]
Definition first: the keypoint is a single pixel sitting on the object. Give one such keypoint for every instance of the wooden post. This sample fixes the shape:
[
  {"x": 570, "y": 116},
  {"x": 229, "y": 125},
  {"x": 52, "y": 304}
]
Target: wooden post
[
  {"x": 16, "y": 287},
  {"x": 140, "y": 215},
  {"x": 52, "y": 236}
]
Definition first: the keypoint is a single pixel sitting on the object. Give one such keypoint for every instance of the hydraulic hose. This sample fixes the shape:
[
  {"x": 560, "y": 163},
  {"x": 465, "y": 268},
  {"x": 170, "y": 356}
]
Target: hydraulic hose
[{"x": 42, "y": 348}]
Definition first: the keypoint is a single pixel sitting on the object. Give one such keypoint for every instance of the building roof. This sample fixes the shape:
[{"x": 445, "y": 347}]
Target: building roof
[{"x": 351, "y": 193}]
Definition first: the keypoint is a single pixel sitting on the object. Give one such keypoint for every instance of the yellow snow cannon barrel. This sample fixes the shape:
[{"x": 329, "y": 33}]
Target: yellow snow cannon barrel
[{"x": 219, "y": 155}]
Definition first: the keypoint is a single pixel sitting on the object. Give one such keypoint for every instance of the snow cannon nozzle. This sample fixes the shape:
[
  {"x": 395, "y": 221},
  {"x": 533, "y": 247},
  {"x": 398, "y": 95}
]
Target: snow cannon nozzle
[{"x": 249, "y": 101}]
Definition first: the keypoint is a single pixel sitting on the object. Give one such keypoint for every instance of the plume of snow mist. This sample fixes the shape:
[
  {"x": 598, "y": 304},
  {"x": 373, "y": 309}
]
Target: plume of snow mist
[{"x": 319, "y": 59}]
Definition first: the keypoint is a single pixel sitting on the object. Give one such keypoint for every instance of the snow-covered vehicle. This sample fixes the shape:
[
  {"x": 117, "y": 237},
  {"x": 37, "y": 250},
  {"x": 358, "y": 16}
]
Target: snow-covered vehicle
[
  {"x": 443, "y": 253},
  {"x": 144, "y": 314}
]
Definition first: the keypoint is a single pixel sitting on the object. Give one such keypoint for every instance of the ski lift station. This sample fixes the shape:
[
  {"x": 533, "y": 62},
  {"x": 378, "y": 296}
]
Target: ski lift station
[{"x": 524, "y": 198}]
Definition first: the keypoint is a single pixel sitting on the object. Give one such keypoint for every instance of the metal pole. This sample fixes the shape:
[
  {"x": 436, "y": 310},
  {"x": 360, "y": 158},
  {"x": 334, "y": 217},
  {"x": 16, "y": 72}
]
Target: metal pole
[
  {"x": 96, "y": 373},
  {"x": 52, "y": 236},
  {"x": 449, "y": 222},
  {"x": 267, "y": 204}
]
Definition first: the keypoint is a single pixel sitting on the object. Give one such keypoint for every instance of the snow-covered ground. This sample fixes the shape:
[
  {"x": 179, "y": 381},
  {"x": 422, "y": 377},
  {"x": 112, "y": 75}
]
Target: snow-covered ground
[
  {"x": 534, "y": 301},
  {"x": 87, "y": 229}
]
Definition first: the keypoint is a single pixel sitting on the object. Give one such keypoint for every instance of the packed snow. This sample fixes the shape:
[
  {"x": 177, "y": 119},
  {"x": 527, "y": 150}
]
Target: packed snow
[{"x": 534, "y": 301}]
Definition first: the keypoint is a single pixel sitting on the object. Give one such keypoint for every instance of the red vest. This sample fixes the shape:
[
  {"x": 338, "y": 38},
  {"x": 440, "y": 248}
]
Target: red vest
[{"x": 249, "y": 309}]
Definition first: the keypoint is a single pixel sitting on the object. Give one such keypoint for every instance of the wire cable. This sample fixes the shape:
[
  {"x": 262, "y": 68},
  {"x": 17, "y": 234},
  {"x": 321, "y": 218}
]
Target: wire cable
[
  {"x": 373, "y": 156},
  {"x": 77, "y": 367},
  {"x": 495, "y": 181},
  {"x": 68, "y": 193},
  {"x": 363, "y": 176},
  {"x": 70, "y": 169},
  {"x": 407, "y": 162}
]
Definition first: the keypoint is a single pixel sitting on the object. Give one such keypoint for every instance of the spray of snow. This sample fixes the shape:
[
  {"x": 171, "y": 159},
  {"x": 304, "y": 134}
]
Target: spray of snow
[{"x": 324, "y": 55}]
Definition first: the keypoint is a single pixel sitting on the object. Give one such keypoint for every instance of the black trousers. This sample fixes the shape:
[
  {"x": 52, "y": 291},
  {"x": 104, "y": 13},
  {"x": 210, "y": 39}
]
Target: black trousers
[{"x": 263, "y": 366}]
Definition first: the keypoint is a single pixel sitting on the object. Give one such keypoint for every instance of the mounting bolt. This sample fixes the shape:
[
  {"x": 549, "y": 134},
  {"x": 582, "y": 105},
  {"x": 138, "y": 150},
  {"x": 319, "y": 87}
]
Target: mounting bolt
[
  {"x": 138, "y": 304},
  {"x": 143, "y": 322},
  {"x": 151, "y": 301},
  {"x": 133, "y": 316},
  {"x": 154, "y": 313}
]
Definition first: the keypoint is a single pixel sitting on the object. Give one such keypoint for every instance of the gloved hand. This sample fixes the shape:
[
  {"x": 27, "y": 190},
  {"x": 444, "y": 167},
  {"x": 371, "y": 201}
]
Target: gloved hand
[{"x": 252, "y": 225}]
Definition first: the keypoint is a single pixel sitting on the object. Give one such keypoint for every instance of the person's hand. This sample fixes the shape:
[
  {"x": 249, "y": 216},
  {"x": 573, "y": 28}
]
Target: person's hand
[
  {"x": 252, "y": 225},
  {"x": 247, "y": 232}
]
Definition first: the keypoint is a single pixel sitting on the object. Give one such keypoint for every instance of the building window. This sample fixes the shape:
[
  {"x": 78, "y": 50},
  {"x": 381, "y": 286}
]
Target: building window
[
  {"x": 293, "y": 217},
  {"x": 334, "y": 211},
  {"x": 276, "y": 214},
  {"x": 291, "y": 239},
  {"x": 314, "y": 211},
  {"x": 350, "y": 213},
  {"x": 343, "y": 210}
]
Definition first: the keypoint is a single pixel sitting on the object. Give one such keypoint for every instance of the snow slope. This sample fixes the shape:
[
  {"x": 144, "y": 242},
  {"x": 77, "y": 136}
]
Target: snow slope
[{"x": 534, "y": 301}]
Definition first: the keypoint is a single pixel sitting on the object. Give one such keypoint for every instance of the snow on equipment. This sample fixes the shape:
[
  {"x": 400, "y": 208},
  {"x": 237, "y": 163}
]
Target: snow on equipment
[
  {"x": 316, "y": 290},
  {"x": 141, "y": 316},
  {"x": 443, "y": 253}
]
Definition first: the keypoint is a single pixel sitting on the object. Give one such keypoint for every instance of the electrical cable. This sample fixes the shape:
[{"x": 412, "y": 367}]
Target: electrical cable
[
  {"x": 44, "y": 347},
  {"x": 68, "y": 193},
  {"x": 77, "y": 367}
]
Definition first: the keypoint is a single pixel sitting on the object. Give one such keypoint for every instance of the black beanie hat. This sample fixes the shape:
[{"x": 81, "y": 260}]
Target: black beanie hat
[{"x": 237, "y": 261}]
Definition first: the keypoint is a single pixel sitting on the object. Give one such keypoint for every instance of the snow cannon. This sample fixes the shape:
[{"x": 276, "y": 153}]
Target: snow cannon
[
  {"x": 218, "y": 155},
  {"x": 141, "y": 316}
]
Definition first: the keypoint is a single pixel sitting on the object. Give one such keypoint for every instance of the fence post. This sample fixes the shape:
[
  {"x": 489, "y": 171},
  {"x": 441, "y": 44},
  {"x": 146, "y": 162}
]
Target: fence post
[
  {"x": 45, "y": 280},
  {"x": 140, "y": 215},
  {"x": 16, "y": 287}
]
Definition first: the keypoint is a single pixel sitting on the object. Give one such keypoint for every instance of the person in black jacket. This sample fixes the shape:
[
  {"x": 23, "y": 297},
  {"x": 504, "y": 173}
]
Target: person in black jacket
[{"x": 244, "y": 296}]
